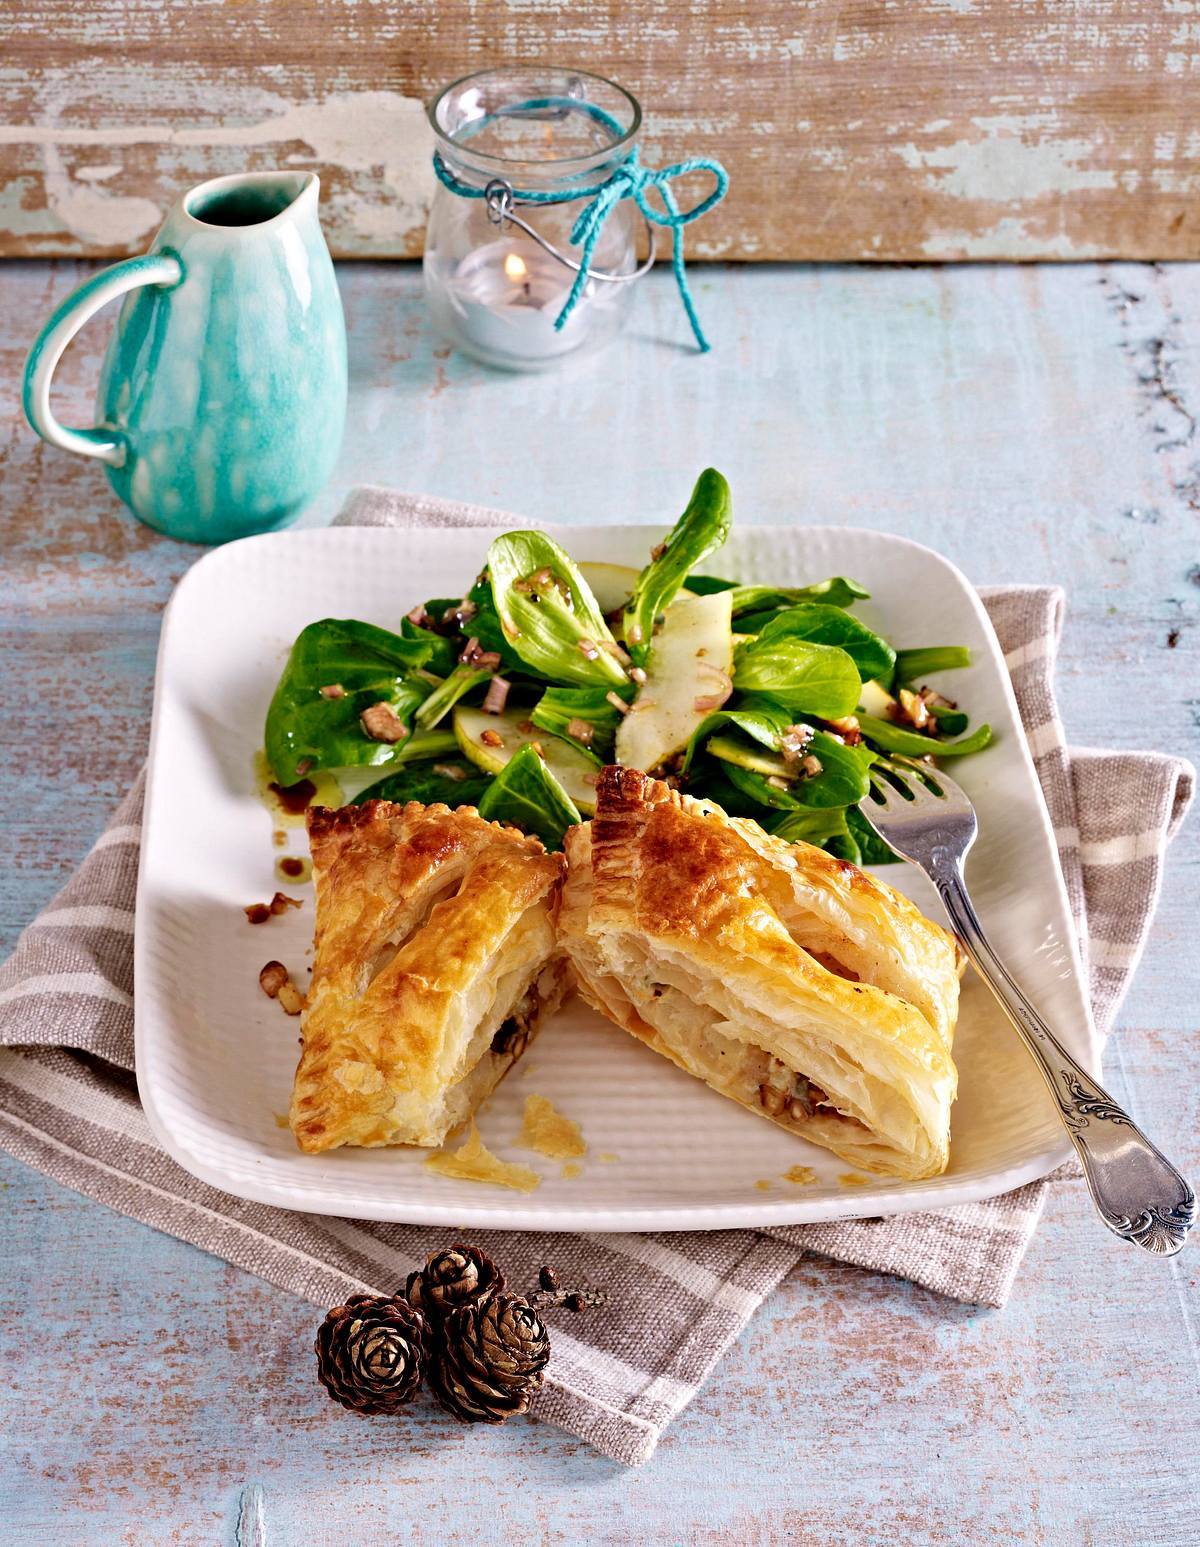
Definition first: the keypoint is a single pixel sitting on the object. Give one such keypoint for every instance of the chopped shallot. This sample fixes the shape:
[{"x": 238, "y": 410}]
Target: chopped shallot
[
  {"x": 581, "y": 730},
  {"x": 491, "y": 738},
  {"x": 333, "y": 690},
  {"x": 449, "y": 771},
  {"x": 638, "y": 675},
  {"x": 617, "y": 702},
  {"x": 633, "y": 634},
  {"x": 811, "y": 766},
  {"x": 496, "y": 696},
  {"x": 589, "y": 649}
]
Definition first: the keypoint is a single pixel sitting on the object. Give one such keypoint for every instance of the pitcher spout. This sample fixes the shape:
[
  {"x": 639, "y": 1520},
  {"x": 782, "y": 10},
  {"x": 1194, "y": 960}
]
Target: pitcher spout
[{"x": 248, "y": 199}]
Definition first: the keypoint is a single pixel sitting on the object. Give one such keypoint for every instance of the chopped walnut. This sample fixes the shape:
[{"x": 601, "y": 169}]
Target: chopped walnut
[
  {"x": 260, "y": 912},
  {"x": 911, "y": 707},
  {"x": 847, "y": 728},
  {"x": 382, "y": 723},
  {"x": 491, "y": 738},
  {"x": 276, "y": 982},
  {"x": 333, "y": 690},
  {"x": 272, "y": 978}
]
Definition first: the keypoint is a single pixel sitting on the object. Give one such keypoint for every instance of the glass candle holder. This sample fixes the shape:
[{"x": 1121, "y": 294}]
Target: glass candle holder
[{"x": 494, "y": 291}]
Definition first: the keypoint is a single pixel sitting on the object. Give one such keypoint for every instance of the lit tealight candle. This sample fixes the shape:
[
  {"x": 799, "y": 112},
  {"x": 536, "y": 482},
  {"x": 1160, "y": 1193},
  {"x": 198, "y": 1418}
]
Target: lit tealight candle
[{"x": 505, "y": 297}]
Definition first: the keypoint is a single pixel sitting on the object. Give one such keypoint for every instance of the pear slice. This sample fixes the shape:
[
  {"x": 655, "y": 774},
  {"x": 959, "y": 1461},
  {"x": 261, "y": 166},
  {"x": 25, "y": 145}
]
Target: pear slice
[{"x": 690, "y": 660}]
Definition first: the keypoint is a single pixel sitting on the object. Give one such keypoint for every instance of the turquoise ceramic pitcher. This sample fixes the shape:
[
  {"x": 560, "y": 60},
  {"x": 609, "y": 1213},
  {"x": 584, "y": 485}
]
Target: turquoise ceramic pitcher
[{"x": 223, "y": 392}]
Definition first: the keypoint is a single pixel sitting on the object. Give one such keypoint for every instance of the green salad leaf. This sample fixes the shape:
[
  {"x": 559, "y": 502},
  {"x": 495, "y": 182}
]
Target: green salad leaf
[
  {"x": 843, "y": 781},
  {"x": 838, "y": 591},
  {"x": 950, "y": 722},
  {"x": 813, "y": 824},
  {"x": 547, "y": 612},
  {"x": 444, "y": 697},
  {"x": 558, "y": 707},
  {"x": 452, "y": 782},
  {"x": 894, "y": 738},
  {"x": 526, "y": 794},
  {"x": 912, "y": 665},
  {"x": 443, "y": 652},
  {"x": 825, "y": 625},
  {"x": 804, "y": 677},
  {"x": 871, "y": 847},
  {"x": 703, "y": 526},
  {"x": 705, "y": 585},
  {"x": 760, "y": 718},
  {"x": 308, "y": 729}
]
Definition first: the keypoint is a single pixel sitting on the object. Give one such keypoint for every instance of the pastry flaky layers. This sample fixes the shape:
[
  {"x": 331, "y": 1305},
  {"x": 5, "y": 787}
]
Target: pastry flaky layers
[
  {"x": 782, "y": 977},
  {"x": 435, "y": 965}
]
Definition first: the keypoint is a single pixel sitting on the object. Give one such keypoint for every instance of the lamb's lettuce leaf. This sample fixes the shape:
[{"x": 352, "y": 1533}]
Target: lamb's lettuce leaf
[{"x": 703, "y": 526}]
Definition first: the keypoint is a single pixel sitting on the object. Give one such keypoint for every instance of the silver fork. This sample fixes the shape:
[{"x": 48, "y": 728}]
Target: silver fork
[{"x": 1138, "y": 1193}]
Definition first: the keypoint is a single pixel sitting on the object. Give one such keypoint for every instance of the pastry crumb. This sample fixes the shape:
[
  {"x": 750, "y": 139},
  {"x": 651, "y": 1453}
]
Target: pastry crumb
[
  {"x": 474, "y": 1162},
  {"x": 852, "y": 1179},
  {"x": 606, "y": 1157},
  {"x": 279, "y": 837},
  {"x": 763, "y": 1186},
  {"x": 571, "y": 1170},
  {"x": 803, "y": 1176},
  {"x": 548, "y": 1132},
  {"x": 282, "y": 1120}
]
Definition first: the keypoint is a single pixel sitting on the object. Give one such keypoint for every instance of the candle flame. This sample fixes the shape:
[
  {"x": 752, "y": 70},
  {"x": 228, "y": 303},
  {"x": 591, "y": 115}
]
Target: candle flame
[{"x": 514, "y": 266}]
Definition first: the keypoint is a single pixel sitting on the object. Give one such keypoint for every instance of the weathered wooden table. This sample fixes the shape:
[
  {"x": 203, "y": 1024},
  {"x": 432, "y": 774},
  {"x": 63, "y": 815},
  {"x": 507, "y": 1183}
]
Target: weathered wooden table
[{"x": 1033, "y": 424}]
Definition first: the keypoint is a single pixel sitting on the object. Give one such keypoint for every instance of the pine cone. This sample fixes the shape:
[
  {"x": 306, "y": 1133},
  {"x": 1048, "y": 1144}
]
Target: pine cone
[
  {"x": 371, "y": 1353},
  {"x": 457, "y": 1276},
  {"x": 488, "y": 1359}
]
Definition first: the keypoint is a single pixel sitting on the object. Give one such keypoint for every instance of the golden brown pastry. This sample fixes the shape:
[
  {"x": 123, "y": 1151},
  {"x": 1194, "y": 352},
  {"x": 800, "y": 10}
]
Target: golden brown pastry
[
  {"x": 435, "y": 966},
  {"x": 789, "y": 980}
]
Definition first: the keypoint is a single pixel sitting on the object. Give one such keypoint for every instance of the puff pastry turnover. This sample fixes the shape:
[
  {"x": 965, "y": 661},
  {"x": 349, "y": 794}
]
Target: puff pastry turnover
[
  {"x": 435, "y": 965},
  {"x": 789, "y": 980}
]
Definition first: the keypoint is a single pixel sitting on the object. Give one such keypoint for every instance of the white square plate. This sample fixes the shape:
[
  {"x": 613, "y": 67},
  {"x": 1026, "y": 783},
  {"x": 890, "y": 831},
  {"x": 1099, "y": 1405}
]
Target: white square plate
[{"x": 215, "y": 1057}]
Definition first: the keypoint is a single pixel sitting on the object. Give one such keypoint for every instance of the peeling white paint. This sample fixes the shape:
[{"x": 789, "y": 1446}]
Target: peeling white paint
[
  {"x": 97, "y": 174},
  {"x": 94, "y": 214},
  {"x": 1004, "y": 167},
  {"x": 382, "y": 132},
  {"x": 1007, "y": 238}
]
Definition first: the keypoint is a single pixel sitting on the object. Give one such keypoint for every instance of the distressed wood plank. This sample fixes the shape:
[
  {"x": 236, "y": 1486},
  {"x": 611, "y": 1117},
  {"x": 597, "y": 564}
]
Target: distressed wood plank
[{"x": 875, "y": 129}]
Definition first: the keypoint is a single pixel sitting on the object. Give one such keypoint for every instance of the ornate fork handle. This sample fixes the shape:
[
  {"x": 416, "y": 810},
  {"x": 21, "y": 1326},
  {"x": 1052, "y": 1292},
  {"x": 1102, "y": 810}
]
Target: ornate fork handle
[{"x": 1137, "y": 1191}]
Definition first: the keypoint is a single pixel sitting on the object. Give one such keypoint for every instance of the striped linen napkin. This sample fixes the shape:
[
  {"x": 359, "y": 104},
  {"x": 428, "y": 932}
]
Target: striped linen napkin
[{"x": 69, "y": 1107}]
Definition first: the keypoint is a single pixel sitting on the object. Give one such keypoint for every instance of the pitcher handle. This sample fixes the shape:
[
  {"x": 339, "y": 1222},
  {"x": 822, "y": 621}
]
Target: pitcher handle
[{"x": 154, "y": 269}]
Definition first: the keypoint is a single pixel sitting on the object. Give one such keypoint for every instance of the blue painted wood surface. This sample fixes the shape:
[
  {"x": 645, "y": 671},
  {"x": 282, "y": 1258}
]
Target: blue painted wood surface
[{"x": 1033, "y": 424}]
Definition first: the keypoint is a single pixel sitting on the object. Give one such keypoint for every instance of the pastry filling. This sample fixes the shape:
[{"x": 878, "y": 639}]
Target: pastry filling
[
  {"x": 695, "y": 1033},
  {"x": 513, "y": 1036}
]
